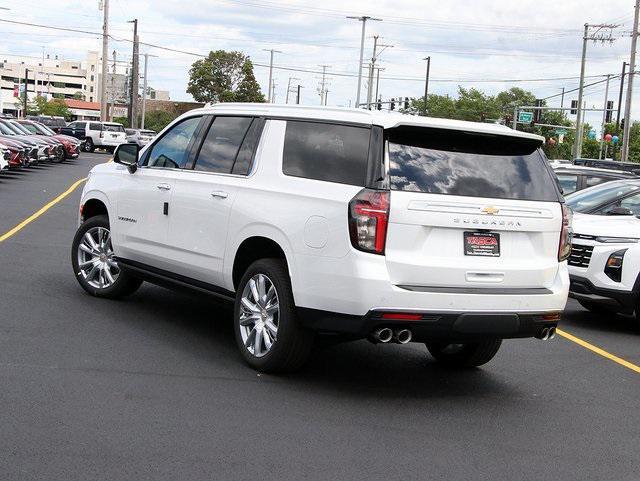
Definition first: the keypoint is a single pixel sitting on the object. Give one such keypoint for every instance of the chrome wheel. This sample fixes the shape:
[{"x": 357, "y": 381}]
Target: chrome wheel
[
  {"x": 96, "y": 262},
  {"x": 259, "y": 315}
]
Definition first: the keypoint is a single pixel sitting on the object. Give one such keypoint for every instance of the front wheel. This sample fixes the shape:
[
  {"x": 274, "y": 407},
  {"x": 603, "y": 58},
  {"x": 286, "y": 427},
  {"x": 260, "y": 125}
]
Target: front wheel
[
  {"x": 464, "y": 355},
  {"x": 94, "y": 264},
  {"x": 268, "y": 334}
]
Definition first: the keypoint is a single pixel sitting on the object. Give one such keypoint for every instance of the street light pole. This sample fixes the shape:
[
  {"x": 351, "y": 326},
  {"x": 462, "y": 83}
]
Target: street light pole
[
  {"x": 632, "y": 72},
  {"x": 624, "y": 69},
  {"x": 604, "y": 115},
  {"x": 105, "y": 49},
  {"x": 577, "y": 145},
  {"x": 426, "y": 85},
  {"x": 144, "y": 91},
  {"x": 271, "y": 51},
  {"x": 362, "y": 19}
]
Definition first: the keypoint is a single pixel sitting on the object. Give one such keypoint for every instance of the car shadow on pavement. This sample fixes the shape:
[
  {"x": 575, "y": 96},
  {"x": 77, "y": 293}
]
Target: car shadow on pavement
[
  {"x": 204, "y": 327},
  {"x": 606, "y": 322}
]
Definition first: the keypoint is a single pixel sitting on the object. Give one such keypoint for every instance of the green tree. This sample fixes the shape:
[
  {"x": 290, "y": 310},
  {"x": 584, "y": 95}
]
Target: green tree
[
  {"x": 507, "y": 100},
  {"x": 473, "y": 104},
  {"x": 54, "y": 107},
  {"x": 79, "y": 95},
  {"x": 158, "y": 119},
  {"x": 441, "y": 106},
  {"x": 124, "y": 121},
  {"x": 224, "y": 77}
]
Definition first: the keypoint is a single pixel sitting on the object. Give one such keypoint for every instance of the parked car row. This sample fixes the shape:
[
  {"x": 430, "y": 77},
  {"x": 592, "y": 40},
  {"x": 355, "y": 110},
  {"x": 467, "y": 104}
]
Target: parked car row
[
  {"x": 25, "y": 142},
  {"x": 105, "y": 135}
]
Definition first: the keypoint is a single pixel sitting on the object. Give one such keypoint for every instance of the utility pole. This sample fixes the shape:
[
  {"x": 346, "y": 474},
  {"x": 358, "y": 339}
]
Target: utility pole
[
  {"x": 144, "y": 87},
  {"x": 562, "y": 99},
  {"x": 273, "y": 92},
  {"x": 271, "y": 52},
  {"x": 298, "y": 95},
  {"x": 105, "y": 49},
  {"x": 426, "y": 84},
  {"x": 113, "y": 88},
  {"x": 135, "y": 78},
  {"x": 362, "y": 19},
  {"x": 26, "y": 92},
  {"x": 624, "y": 69},
  {"x": 378, "y": 81},
  {"x": 593, "y": 36},
  {"x": 323, "y": 84},
  {"x": 632, "y": 71},
  {"x": 289, "y": 88},
  {"x": 604, "y": 115},
  {"x": 372, "y": 66}
]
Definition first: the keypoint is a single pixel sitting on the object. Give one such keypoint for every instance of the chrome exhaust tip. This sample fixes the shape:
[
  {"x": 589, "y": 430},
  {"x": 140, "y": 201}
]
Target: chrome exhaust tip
[
  {"x": 552, "y": 333},
  {"x": 402, "y": 336},
  {"x": 383, "y": 335},
  {"x": 543, "y": 335}
]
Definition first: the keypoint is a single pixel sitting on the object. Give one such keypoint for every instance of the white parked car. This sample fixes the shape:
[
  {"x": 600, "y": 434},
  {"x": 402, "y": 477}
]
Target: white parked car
[
  {"x": 604, "y": 265},
  {"x": 140, "y": 136},
  {"x": 4, "y": 159},
  {"x": 365, "y": 224},
  {"x": 104, "y": 135}
]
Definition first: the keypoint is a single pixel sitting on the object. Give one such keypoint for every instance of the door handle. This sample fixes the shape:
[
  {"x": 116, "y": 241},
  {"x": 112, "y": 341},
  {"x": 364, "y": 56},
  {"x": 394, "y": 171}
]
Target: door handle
[
  {"x": 164, "y": 186},
  {"x": 219, "y": 195}
]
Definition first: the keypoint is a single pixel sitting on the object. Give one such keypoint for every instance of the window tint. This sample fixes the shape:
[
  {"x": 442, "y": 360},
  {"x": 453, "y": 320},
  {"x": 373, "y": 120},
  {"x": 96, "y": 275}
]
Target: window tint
[
  {"x": 333, "y": 153},
  {"x": 442, "y": 161},
  {"x": 95, "y": 126},
  {"x": 568, "y": 182},
  {"x": 171, "y": 151},
  {"x": 242, "y": 166},
  {"x": 222, "y": 143},
  {"x": 80, "y": 125},
  {"x": 632, "y": 203},
  {"x": 591, "y": 180},
  {"x": 113, "y": 128},
  {"x": 31, "y": 128},
  {"x": 589, "y": 199}
]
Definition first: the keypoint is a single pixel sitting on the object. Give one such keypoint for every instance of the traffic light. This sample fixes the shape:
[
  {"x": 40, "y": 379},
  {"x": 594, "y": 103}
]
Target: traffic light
[
  {"x": 392, "y": 105},
  {"x": 622, "y": 124},
  {"x": 609, "y": 113},
  {"x": 574, "y": 107},
  {"x": 537, "y": 112},
  {"x": 406, "y": 103},
  {"x": 379, "y": 104}
]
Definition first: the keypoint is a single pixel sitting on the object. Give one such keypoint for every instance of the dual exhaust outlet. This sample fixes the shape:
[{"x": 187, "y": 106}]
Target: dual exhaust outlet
[
  {"x": 386, "y": 334},
  {"x": 546, "y": 333}
]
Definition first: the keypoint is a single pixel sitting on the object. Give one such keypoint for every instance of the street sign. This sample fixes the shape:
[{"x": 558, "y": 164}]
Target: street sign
[{"x": 525, "y": 117}]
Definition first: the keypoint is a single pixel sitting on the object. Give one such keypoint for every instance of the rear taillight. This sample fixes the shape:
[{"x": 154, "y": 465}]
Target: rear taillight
[
  {"x": 564, "y": 249},
  {"x": 101, "y": 134},
  {"x": 368, "y": 219}
]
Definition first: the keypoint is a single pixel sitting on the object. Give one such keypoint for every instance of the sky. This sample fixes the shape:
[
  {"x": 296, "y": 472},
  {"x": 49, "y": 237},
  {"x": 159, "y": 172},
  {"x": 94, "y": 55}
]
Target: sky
[{"x": 489, "y": 45}]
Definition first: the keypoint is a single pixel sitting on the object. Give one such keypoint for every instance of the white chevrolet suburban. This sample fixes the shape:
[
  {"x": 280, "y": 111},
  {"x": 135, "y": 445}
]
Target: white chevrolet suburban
[{"x": 324, "y": 220}]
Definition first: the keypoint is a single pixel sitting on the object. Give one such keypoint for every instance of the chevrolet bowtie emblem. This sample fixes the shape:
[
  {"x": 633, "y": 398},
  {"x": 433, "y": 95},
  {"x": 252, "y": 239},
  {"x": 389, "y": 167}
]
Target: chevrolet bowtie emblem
[{"x": 490, "y": 210}]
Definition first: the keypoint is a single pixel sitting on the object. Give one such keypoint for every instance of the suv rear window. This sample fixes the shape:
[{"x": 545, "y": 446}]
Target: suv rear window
[
  {"x": 452, "y": 162},
  {"x": 329, "y": 152},
  {"x": 113, "y": 128}
]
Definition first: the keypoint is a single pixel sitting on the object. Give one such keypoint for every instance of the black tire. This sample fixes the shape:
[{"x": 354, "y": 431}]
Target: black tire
[
  {"x": 125, "y": 284},
  {"x": 293, "y": 343},
  {"x": 60, "y": 156},
  {"x": 88, "y": 145},
  {"x": 464, "y": 355}
]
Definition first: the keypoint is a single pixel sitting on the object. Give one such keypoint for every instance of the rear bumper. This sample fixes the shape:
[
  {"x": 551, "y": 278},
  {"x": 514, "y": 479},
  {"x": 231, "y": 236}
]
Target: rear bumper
[
  {"x": 453, "y": 326},
  {"x": 582, "y": 289}
]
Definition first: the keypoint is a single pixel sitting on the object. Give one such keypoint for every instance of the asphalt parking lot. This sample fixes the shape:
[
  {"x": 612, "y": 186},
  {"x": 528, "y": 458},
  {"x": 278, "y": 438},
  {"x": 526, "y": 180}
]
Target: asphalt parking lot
[{"x": 154, "y": 388}]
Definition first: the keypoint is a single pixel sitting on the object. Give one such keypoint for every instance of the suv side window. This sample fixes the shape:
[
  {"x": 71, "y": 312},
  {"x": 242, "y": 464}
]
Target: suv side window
[
  {"x": 568, "y": 182},
  {"x": 329, "y": 152},
  {"x": 95, "y": 126},
  {"x": 222, "y": 144},
  {"x": 591, "y": 180},
  {"x": 172, "y": 150},
  {"x": 80, "y": 125}
]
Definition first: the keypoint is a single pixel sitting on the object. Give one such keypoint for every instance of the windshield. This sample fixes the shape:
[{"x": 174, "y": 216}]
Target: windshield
[
  {"x": 442, "y": 161},
  {"x": 20, "y": 128},
  {"x": 112, "y": 128},
  {"x": 589, "y": 199},
  {"x": 44, "y": 129},
  {"x": 10, "y": 129},
  {"x": 30, "y": 127}
]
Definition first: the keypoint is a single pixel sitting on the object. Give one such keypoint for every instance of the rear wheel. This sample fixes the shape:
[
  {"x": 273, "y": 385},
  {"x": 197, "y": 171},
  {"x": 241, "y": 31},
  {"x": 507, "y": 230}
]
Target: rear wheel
[
  {"x": 60, "y": 156},
  {"x": 268, "y": 334},
  {"x": 88, "y": 145},
  {"x": 464, "y": 355},
  {"x": 94, "y": 264}
]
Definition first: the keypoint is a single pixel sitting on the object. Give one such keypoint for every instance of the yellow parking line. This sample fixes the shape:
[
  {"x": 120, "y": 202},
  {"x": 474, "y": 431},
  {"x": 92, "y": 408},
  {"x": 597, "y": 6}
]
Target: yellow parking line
[
  {"x": 597, "y": 350},
  {"x": 42, "y": 210}
]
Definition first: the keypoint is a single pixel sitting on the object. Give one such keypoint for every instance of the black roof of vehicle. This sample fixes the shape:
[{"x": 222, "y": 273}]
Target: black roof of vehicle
[
  {"x": 609, "y": 164},
  {"x": 597, "y": 172}
]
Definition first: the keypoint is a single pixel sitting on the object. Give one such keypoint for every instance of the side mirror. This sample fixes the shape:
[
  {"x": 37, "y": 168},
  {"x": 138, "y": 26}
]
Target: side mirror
[
  {"x": 127, "y": 155},
  {"x": 619, "y": 211}
]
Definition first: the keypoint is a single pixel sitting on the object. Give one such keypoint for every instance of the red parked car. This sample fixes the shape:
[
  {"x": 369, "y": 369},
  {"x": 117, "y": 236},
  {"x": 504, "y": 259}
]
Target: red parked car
[{"x": 72, "y": 146}]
